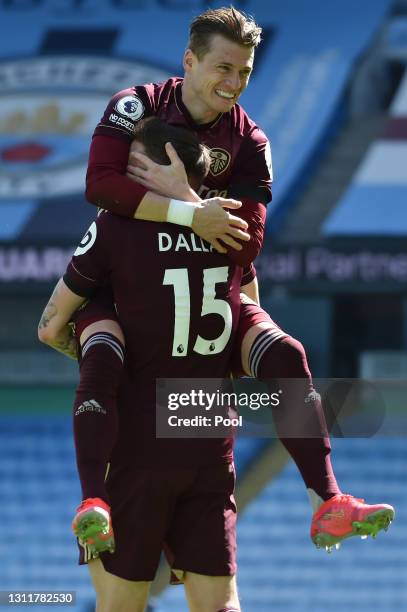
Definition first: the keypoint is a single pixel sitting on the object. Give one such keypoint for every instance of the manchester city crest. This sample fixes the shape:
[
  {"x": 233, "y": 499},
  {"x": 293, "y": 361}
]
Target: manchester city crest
[{"x": 49, "y": 107}]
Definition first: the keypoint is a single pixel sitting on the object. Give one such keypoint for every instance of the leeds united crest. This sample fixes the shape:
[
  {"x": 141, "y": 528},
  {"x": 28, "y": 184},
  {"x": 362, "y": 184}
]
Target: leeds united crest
[{"x": 220, "y": 160}]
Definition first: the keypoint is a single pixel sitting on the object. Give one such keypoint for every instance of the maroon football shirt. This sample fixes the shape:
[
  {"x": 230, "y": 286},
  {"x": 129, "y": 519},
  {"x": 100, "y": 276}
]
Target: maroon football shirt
[
  {"x": 179, "y": 311},
  {"x": 240, "y": 152}
]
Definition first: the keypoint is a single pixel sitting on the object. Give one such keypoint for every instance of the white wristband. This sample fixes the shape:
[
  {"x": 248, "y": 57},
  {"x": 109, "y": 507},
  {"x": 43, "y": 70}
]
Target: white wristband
[{"x": 181, "y": 213}]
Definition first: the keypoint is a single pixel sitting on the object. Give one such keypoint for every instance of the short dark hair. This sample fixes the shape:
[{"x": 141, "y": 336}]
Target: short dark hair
[
  {"x": 227, "y": 21},
  {"x": 153, "y": 133}
]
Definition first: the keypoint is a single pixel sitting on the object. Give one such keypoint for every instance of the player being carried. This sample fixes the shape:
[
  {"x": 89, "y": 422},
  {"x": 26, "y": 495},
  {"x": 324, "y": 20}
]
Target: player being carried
[
  {"x": 217, "y": 63},
  {"x": 108, "y": 249},
  {"x": 171, "y": 494}
]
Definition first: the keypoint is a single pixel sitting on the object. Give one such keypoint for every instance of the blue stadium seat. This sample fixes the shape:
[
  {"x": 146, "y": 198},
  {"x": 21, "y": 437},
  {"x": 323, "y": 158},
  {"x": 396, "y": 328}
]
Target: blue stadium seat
[
  {"x": 40, "y": 492},
  {"x": 279, "y": 568}
]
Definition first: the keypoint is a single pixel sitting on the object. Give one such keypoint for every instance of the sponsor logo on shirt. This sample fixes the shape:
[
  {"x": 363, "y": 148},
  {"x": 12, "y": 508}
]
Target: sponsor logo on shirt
[
  {"x": 120, "y": 121},
  {"x": 206, "y": 192},
  {"x": 220, "y": 161}
]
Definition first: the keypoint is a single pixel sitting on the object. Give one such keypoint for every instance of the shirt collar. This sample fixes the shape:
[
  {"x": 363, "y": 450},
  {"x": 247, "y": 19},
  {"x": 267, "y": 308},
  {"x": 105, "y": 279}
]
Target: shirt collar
[{"x": 182, "y": 109}]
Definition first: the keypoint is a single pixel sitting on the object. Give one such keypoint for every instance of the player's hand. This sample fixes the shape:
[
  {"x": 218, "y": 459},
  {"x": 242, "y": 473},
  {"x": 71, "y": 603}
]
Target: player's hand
[
  {"x": 213, "y": 223},
  {"x": 170, "y": 180}
]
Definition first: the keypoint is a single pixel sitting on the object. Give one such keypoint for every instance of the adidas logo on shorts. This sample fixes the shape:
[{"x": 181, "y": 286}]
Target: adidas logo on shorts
[
  {"x": 312, "y": 397},
  {"x": 90, "y": 406}
]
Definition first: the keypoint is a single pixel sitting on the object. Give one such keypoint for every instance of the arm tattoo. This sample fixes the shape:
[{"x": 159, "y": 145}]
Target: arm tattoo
[
  {"x": 64, "y": 341},
  {"x": 50, "y": 311},
  {"x": 48, "y": 314}
]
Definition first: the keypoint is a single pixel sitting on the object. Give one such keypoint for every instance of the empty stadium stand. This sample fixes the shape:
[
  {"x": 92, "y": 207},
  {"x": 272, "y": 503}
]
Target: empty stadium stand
[
  {"x": 40, "y": 491},
  {"x": 78, "y": 57},
  {"x": 375, "y": 202},
  {"x": 281, "y": 571}
]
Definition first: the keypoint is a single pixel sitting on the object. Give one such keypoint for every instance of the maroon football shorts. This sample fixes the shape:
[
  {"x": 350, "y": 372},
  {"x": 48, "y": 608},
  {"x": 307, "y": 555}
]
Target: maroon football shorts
[
  {"x": 250, "y": 314},
  {"x": 101, "y": 307},
  {"x": 98, "y": 308},
  {"x": 189, "y": 513}
]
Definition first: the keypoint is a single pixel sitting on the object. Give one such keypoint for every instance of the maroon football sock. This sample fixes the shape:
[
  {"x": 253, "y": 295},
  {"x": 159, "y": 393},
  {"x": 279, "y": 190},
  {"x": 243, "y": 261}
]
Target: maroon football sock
[
  {"x": 95, "y": 418},
  {"x": 299, "y": 419}
]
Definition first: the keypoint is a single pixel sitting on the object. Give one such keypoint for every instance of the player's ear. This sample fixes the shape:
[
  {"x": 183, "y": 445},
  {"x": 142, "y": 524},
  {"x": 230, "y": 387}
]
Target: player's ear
[{"x": 188, "y": 60}]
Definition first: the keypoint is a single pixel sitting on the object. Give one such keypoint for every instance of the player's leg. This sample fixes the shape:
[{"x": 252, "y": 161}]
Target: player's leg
[
  {"x": 114, "y": 594},
  {"x": 142, "y": 504},
  {"x": 269, "y": 353},
  {"x": 95, "y": 418},
  {"x": 200, "y": 542},
  {"x": 211, "y": 593},
  {"x": 108, "y": 326}
]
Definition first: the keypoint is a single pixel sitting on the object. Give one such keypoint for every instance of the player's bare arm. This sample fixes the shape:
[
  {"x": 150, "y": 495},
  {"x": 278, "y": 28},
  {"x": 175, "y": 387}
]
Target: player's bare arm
[{"x": 54, "y": 328}]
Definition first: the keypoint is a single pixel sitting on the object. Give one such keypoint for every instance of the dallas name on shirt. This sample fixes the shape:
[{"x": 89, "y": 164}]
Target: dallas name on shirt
[{"x": 188, "y": 242}]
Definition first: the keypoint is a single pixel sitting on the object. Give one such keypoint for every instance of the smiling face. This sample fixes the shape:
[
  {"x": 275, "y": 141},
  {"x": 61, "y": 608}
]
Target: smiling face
[{"x": 214, "y": 83}]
